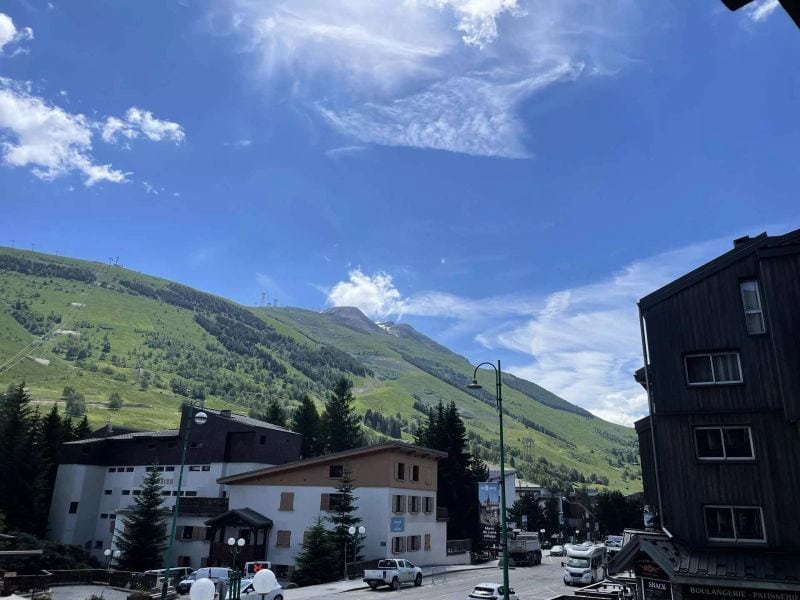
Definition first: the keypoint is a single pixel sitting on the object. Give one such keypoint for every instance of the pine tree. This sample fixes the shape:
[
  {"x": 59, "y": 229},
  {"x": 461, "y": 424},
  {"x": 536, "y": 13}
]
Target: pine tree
[
  {"x": 15, "y": 419},
  {"x": 114, "y": 401},
  {"x": 305, "y": 421},
  {"x": 343, "y": 518},
  {"x": 275, "y": 413},
  {"x": 52, "y": 438},
  {"x": 32, "y": 486},
  {"x": 83, "y": 429},
  {"x": 318, "y": 560},
  {"x": 340, "y": 425},
  {"x": 74, "y": 401},
  {"x": 144, "y": 537}
]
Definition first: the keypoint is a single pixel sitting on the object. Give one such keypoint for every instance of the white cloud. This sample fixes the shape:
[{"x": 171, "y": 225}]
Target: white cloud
[
  {"x": 243, "y": 143},
  {"x": 761, "y": 9},
  {"x": 9, "y": 34},
  {"x": 46, "y": 138},
  {"x": 150, "y": 188},
  {"x": 141, "y": 122},
  {"x": 582, "y": 343},
  {"x": 441, "y": 74}
]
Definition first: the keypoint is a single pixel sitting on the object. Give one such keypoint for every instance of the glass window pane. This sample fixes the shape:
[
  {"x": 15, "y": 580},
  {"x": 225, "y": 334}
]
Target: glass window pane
[
  {"x": 737, "y": 442},
  {"x": 709, "y": 443},
  {"x": 748, "y": 524},
  {"x": 755, "y": 322},
  {"x": 719, "y": 522},
  {"x": 726, "y": 368},
  {"x": 750, "y": 295},
  {"x": 698, "y": 369}
]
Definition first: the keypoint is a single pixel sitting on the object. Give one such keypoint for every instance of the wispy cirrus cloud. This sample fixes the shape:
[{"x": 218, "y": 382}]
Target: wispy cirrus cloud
[
  {"x": 582, "y": 343},
  {"x": 760, "y": 10},
  {"x": 441, "y": 74}
]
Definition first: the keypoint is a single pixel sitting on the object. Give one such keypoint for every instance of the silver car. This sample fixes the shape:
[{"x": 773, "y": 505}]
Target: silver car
[{"x": 490, "y": 591}]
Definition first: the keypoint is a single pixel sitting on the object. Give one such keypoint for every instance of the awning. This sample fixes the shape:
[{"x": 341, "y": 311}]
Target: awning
[{"x": 241, "y": 516}]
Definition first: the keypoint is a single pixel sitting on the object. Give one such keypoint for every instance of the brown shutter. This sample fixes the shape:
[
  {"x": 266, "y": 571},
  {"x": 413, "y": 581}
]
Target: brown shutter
[
  {"x": 404, "y": 504},
  {"x": 325, "y": 502},
  {"x": 428, "y": 477},
  {"x": 287, "y": 501},
  {"x": 199, "y": 533},
  {"x": 284, "y": 539},
  {"x": 427, "y": 541}
]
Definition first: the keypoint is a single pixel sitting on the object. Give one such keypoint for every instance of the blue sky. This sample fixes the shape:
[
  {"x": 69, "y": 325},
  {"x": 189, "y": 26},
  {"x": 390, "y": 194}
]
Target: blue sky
[{"x": 509, "y": 176}]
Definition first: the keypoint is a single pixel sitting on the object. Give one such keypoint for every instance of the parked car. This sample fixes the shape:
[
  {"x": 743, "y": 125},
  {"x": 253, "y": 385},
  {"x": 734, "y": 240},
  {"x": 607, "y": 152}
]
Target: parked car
[
  {"x": 394, "y": 573},
  {"x": 215, "y": 574},
  {"x": 175, "y": 574},
  {"x": 546, "y": 545},
  {"x": 557, "y": 551},
  {"x": 490, "y": 591}
]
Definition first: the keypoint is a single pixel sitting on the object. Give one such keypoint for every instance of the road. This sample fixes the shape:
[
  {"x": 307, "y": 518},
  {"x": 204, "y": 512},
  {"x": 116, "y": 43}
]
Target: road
[{"x": 530, "y": 583}]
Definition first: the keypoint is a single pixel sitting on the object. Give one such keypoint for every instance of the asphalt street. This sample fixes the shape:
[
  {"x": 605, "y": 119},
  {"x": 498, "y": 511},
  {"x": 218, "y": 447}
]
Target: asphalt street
[{"x": 530, "y": 583}]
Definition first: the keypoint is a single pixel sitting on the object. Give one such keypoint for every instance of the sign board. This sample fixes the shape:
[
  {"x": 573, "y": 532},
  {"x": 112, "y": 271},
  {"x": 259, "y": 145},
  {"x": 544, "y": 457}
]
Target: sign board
[
  {"x": 656, "y": 589},
  {"x": 398, "y": 524},
  {"x": 712, "y": 592},
  {"x": 489, "y": 501},
  {"x": 644, "y": 566}
]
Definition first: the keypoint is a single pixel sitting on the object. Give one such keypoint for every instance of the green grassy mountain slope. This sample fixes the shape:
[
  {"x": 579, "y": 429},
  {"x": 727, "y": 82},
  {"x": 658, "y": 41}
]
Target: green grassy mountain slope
[{"x": 100, "y": 329}]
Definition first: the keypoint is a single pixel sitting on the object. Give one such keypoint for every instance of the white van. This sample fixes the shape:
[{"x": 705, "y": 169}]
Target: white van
[
  {"x": 585, "y": 564},
  {"x": 215, "y": 574}
]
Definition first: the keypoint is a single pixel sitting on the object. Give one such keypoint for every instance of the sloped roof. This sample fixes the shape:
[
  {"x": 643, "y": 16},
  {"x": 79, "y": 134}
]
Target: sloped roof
[
  {"x": 241, "y": 515},
  {"x": 164, "y": 433},
  {"x": 736, "y": 567}
]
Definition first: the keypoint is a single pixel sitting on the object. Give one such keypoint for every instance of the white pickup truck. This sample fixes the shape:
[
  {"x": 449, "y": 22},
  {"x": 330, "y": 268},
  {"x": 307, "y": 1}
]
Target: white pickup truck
[{"x": 394, "y": 573}]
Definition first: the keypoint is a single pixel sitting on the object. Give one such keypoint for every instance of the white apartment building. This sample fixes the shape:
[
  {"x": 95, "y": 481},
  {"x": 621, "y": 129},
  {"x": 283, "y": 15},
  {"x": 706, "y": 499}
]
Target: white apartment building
[
  {"x": 395, "y": 483},
  {"x": 99, "y": 477}
]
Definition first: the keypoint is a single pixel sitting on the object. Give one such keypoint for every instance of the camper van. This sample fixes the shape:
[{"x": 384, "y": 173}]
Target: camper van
[{"x": 585, "y": 563}]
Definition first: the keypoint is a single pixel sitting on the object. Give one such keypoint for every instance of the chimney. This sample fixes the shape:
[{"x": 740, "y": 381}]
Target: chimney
[
  {"x": 225, "y": 412},
  {"x": 742, "y": 240}
]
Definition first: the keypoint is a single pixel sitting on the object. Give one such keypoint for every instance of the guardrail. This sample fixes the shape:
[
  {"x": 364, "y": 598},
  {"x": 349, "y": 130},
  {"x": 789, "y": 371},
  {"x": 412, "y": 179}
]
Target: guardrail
[{"x": 46, "y": 579}]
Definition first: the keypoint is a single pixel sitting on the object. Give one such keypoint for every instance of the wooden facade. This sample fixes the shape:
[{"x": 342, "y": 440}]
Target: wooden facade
[{"x": 703, "y": 312}]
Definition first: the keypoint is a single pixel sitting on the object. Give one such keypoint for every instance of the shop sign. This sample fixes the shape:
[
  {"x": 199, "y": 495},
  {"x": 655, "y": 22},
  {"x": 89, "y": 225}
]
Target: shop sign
[
  {"x": 647, "y": 567},
  {"x": 710, "y": 592},
  {"x": 656, "y": 589}
]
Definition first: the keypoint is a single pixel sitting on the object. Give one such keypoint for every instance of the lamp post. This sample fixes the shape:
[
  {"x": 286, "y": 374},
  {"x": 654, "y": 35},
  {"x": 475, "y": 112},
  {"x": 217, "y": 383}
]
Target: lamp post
[
  {"x": 235, "y": 578},
  {"x": 199, "y": 417},
  {"x": 109, "y": 554},
  {"x": 504, "y": 531},
  {"x": 356, "y": 532}
]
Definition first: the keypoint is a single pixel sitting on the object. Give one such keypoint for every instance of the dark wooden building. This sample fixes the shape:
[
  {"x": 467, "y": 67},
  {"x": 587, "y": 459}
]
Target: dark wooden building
[{"x": 720, "y": 449}]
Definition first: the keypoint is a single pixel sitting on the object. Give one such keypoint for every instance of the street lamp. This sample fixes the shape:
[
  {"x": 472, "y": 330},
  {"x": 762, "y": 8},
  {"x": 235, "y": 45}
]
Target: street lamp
[
  {"x": 474, "y": 385},
  {"x": 202, "y": 589},
  {"x": 200, "y": 417},
  {"x": 235, "y": 578},
  {"x": 264, "y": 582},
  {"x": 109, "y": 554},
  {"x": 356, "y": 532}
]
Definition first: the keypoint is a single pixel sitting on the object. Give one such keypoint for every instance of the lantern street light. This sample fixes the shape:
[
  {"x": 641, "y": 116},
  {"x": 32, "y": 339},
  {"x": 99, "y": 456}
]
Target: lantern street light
[
  {"x": 109, "y": 554},
  {"x": 264, "y": 582},
  {"x": 474, "y": 385},
  {"x": 235, "y": 577},
  {"x": 199, "y": 417},
  {"x": 356, "y": 532},
  {"x": 202, "y": 589}
]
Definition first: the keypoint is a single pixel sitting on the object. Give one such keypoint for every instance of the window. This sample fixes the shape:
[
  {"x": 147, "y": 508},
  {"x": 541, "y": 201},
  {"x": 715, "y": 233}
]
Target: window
[
  {"x": 126, "y": 492},
  {"x": 112, "y": 469},
  {"x": 306, "y": 535},
  {"x": 415, "y": 504},
  {"x": 284, "y": 539},
  {"x": 398, "y": 545},
  {"x": 287, "y": 501},
  {"x": 428, "y": 475},
  {"x": 262, "y": 440},
  {"x": 137, "y": 492},
  {"x": 194, "y": 467},
  {"x": 709, "y": 369},
  {"x": 112, "y": 516},
  {"x": 398, "y": 503},
  {"x": 734, "y": 524},
  {"x": 400, "y": 471},
  {"x": 724, "y": 443},
  {"x": 336, "y": 471},
  {"x": 753, "y": 314},
  {"x": 414, "y": 543},
  {"x": 103, "y": 515},
  {"x": 165, "y": 493},
  {"x": 98, "y": 544},
  {"x": 206, "y": 468},
  {"x": 160, "y": 469},
  {"x": 187, "y": 533},
  {"x": 428, "y": 503},
  {"x": 129, "y": 469},
  {"x": 191, "y": 493},
  {"x": 334, "y": 502},
  {"x": 107, "y": 492},
  {"x": 415, "y": 473},
  {"x": 427, "y": 541},
  {"x": 171, "y": 468},
  {"x": 196, "y": 445}
]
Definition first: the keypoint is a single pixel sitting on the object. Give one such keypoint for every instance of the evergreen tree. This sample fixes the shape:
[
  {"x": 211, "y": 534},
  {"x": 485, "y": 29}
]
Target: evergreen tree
[
  {"x": 318, "y": 560},
  {"x": 275, "y": 413},
  {"x": 459, "y": 473},
  {"x": 340, "y": 425},
  {"x": 32, "y": 486},
  {"x": 74, "y": 401},
  {"x": 343, "y": 518},
  {"x": 305, "y": 421},
  {"x": 145, "y": 528},
  {"x": 52, "y": 438},
  {"x": 114, "y": 401},
  {"x": 15, "y": 420},
  {"x": 83, "y": 429}
]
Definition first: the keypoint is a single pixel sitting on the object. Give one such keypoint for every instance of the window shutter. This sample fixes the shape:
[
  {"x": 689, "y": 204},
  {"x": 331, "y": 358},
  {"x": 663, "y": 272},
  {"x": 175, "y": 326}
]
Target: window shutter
[
  {"x": 428, "y": 477},
  {"x": 427, "y": 541},
  {"x": 287, "y": 501},
  {"x": 199, "y": 533},
  {"x": 325, "y": 502}
]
